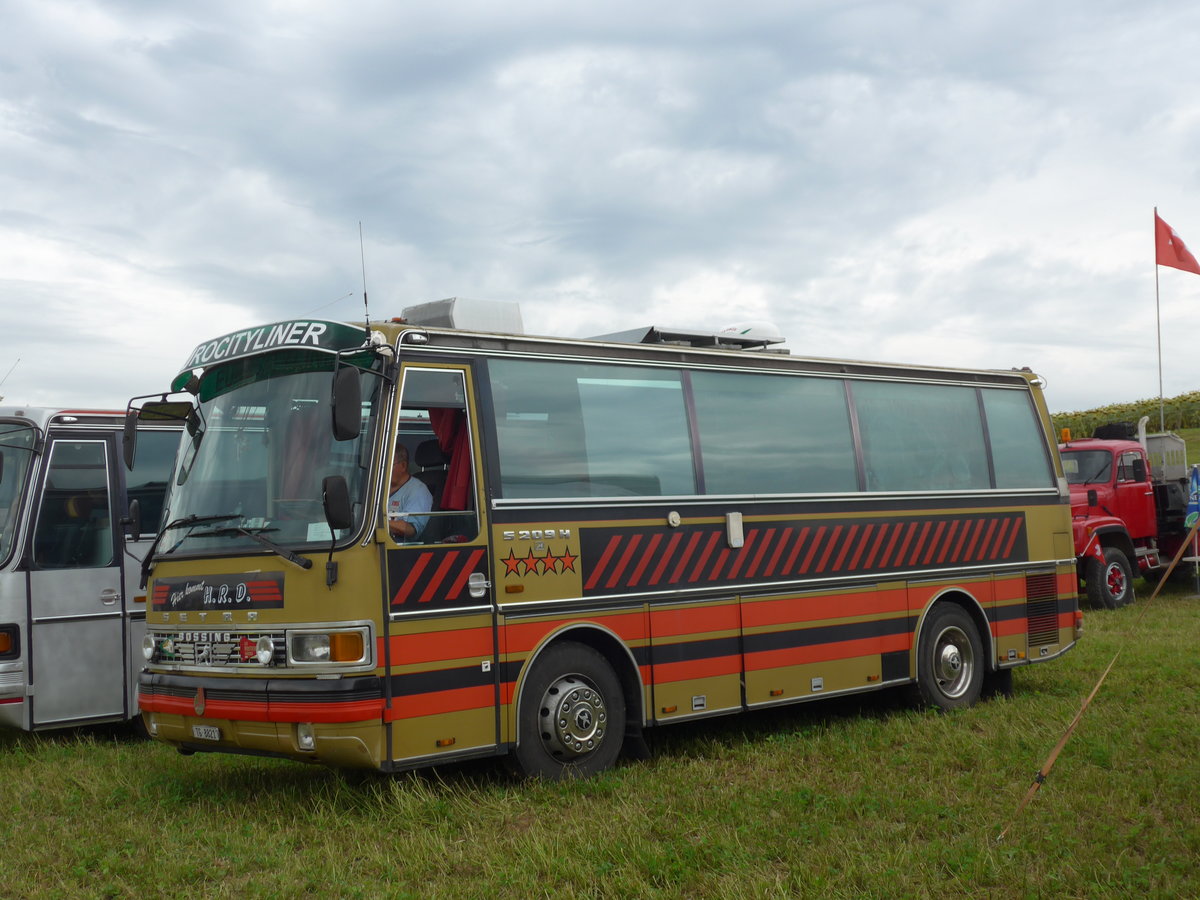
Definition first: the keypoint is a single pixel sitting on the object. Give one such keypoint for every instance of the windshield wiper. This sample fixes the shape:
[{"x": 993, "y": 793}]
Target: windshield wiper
[
  {"x": 256, "y": 535},
  {"x": 188, "y": 522}
]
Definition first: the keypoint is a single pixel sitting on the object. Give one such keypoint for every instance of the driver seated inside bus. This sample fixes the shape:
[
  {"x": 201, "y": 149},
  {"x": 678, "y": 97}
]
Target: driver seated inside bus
[{"x": 406, "y": 495}]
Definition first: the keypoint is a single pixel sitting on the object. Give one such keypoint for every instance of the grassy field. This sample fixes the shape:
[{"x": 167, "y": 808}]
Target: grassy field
[{"x": 836, "y": 799}]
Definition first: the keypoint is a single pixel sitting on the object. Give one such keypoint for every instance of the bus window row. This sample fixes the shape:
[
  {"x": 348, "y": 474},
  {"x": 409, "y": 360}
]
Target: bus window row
[{"x": 568, "y": 429}]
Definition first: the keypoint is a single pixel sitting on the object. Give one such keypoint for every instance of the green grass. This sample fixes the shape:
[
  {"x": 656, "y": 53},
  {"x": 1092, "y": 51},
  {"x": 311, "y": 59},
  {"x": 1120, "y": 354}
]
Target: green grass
[{"x": 861, "y": 798}]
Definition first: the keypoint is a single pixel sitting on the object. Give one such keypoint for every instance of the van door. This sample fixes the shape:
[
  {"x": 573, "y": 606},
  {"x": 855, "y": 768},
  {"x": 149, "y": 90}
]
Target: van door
[
  {"x": 77, "y": 633},
  {"x": 440, "y": 649}
]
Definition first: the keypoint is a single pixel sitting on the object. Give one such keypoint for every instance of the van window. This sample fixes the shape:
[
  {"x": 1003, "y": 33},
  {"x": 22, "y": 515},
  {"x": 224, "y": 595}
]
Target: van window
[{"x": 74, "y": 528}]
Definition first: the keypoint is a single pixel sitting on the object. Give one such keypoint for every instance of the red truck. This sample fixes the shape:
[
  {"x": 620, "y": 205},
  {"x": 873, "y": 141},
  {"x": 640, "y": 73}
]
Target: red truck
[{"x": 1129, "y": 493}]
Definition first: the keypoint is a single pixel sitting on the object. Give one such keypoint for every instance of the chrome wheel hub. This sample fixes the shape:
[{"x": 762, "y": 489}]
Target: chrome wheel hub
[
  {"x": 953, "y": 662},
  {"x": 573, "y": 718}
]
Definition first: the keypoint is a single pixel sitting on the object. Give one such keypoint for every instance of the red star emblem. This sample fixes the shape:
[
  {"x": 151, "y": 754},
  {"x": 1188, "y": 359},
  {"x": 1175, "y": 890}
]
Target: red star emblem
[
  {"x": 530, "y": 563},
  {"x": 567, "y": 560},
  {"x": 511, "y": 564}
]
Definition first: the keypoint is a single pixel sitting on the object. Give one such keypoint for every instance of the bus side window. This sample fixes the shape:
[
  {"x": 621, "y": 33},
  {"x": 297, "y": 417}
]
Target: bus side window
[{"x": 74, "y": 528}]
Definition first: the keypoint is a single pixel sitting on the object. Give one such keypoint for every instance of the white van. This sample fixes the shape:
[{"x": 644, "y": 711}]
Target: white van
[{"x": 71, "y": 614}]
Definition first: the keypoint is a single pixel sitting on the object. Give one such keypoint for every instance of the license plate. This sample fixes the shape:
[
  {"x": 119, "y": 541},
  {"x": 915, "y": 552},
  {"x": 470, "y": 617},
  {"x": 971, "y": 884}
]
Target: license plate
[{"x": 206, "y": 732}]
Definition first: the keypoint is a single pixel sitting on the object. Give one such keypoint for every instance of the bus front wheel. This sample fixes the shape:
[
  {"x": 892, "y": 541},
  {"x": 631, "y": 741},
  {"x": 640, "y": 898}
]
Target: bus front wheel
[
  {"x": 950, "y": 660},
  {"x": 571, "y": 717}
]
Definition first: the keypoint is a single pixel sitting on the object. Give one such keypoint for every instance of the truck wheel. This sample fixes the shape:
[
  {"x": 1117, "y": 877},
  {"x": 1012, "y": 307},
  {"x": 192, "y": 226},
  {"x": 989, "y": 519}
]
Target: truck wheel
[
  {"x": 1109, "y": 585},
  {"x": 571, "y": 718},
  {"x": 950, "y": 660}
]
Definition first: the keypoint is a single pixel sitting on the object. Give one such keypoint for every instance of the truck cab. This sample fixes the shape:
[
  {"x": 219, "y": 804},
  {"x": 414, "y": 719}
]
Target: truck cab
[{"x": 1128, "y": 503}]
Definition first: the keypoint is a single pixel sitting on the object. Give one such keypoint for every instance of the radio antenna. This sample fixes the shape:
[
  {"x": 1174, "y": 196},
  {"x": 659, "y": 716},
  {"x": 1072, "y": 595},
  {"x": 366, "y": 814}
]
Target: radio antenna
[
  {"x": 6, "y": 374},
  {"x": 363, "y": 256}
]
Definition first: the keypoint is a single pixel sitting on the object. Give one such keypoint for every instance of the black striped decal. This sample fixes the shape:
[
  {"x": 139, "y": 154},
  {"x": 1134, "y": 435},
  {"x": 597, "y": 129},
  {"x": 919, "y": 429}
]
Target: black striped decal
[{"x": 621, "y": 560}]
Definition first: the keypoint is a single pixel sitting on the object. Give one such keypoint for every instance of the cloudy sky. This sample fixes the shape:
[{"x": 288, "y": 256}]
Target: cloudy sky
[{"x": 948, "y": 183}]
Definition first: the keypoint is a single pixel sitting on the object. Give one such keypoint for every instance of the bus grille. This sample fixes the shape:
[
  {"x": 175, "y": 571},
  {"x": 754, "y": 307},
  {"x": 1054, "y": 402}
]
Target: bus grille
[
  {"x": 1041, "y": 610},
  {"x": 215, "y": 649}
]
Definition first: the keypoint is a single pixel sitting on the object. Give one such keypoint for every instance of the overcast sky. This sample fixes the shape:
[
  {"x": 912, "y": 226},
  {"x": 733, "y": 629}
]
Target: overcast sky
[{"x": 933, "y": 182}]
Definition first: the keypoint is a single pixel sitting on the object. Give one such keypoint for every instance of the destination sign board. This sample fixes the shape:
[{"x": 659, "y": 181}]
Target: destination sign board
[{"x": 306, "y": 334}]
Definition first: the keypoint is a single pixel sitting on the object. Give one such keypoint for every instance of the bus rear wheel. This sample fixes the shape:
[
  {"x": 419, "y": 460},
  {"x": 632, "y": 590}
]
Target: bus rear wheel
[
  {"x": 1109, "y": 584},
  {"x": 571, "y": 717},
  {"x": 950, "y": 660}
]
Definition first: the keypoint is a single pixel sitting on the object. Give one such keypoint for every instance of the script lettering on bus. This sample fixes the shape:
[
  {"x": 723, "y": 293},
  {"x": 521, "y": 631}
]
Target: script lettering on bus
[{"x": 199, "y": 595}]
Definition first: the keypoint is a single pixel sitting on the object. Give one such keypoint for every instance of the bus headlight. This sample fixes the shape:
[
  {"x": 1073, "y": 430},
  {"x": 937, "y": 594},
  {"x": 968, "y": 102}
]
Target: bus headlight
[
  {"x": 149, "y": 645},
  {"x": 264, "y": 650},
  {"x": 326, "y": 647}
]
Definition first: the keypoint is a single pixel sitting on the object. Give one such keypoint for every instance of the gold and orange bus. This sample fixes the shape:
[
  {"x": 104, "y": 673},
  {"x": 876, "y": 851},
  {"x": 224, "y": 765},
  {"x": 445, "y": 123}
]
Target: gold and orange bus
[{"x": 651, "y": 527}]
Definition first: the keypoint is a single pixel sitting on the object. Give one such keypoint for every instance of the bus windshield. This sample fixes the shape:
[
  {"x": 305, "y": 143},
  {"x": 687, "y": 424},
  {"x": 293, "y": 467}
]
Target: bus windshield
[
  {"x": 17, "y": 441},
  {"x": 1087, "y": 466},
  {"x": 255, "y": 465}
]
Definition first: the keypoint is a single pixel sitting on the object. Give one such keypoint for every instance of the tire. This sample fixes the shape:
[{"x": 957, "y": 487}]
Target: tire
[
  {"x": 1109, "y": 585},
  {"x": 950, "y": 663},
  {"x": 571, "y": 717}
]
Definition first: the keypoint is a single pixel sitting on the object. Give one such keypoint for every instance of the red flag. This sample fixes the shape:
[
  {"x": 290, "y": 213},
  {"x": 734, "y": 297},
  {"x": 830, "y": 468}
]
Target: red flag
[{"x": 1169, "y": 248}]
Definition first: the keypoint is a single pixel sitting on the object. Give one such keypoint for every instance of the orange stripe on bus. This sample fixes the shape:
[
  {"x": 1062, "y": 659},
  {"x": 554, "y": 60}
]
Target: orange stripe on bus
[
  {"x": 436, "y": 646},
  {"x": 523, "y": 637},
  {"x": 455, "y": 700},
  {"x": 701, "y": 620},
  {"x": 815, "y": 608}
]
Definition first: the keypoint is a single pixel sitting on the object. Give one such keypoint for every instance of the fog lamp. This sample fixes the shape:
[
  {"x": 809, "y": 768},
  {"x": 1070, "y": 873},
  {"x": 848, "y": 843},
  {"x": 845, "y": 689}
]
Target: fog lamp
[
  {"x": 305, "y": 738},
  {"x": 264, "y": 650}
]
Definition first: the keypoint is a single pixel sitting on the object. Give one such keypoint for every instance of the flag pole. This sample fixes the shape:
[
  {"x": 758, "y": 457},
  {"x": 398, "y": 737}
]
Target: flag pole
[{"x": 1158, "y": 328}]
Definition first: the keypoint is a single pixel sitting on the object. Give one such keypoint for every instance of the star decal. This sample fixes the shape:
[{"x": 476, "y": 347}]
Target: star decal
[
  {"x": 532, "y": 564},
  {"x": 511, "y": 564}
]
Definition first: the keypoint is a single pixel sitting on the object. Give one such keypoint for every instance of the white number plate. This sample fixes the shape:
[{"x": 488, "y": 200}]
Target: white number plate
[{"x": 206, "y": 732}]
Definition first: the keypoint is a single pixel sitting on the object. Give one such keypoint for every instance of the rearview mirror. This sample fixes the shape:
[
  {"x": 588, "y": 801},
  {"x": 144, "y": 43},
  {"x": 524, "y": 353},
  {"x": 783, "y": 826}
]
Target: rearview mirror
[
  {"x": 134, "y": 520},
  {"x": 347, "y": 404},
  {"x": 129, "y": 438},
  {"x": 335, "y": 497}
]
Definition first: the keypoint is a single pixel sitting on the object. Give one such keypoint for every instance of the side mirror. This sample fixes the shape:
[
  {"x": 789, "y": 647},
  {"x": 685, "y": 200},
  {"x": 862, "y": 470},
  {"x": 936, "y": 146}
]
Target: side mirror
[
  {"x": 134, "y": 520},
  {"x": 347, "y": 404},
  {"x": 335, "y": 496},
  {"x": 1092, "y": 498},
  {"x": 129, "y": 438},
  {"x": 1139, "y": 469}
]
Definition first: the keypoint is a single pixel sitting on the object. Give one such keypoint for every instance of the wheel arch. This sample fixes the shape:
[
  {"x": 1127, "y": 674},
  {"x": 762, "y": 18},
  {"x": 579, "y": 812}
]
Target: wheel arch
[
  {"x": 968, "y": 603},
  {"x": 1118, "y": 537},
  {"x": 614, "y": 650}
]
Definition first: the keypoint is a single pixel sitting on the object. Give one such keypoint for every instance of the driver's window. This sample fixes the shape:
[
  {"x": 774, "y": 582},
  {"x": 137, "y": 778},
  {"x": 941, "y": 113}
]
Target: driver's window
[
  {"x": 431, "y": 496},
  {"x": 1125, "y": 467}
]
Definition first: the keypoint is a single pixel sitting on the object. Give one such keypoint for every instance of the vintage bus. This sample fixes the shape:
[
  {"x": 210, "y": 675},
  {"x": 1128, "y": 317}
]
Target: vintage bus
[
  {"x": 71, "y": 616},
  {"x": 625, "y": 532}
]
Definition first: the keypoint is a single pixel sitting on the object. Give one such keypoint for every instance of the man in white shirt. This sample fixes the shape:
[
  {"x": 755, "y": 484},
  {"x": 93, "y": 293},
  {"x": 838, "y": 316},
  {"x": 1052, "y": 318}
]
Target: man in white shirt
[{"x": 405, "y": 496}]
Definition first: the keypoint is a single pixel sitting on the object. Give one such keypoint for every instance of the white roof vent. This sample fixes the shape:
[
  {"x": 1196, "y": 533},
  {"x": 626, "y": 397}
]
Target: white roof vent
[{"x": 753, "y": 333}]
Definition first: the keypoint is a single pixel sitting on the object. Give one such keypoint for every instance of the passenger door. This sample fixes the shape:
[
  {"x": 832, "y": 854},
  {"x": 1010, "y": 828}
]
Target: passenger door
[
  {"x": 440, "y": 650},
  {"x": 77, "y": 633}
]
